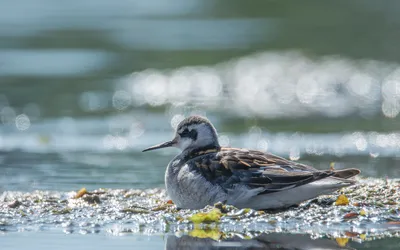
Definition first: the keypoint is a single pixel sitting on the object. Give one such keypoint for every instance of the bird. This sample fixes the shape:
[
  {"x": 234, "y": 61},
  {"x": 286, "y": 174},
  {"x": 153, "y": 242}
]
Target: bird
[
  {"x": 270, "y": 241},
  {"x": 204, "y": 173}
]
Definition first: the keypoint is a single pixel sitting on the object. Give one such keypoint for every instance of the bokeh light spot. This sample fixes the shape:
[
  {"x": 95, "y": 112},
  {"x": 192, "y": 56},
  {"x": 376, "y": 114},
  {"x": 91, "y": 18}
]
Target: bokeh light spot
[
  {"x": 223, "y": 140},
  {"x": 390, "y": 110},
  {"x": 7, "y": 115},
  {"x": 136, "y": 130},
  {"x": 121, "y": 99},
  {"x": 22, "y": 122}
]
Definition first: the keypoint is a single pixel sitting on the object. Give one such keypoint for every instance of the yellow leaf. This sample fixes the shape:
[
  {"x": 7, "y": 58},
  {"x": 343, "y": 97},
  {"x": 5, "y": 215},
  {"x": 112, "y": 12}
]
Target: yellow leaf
[
  {"x": 342, "y": 241},
  {"x": 363, "y": 212},
  {"x": 214, "y": 233},
  {"x": 342, "y": 200},
  {"x": 212, "y": 216},
  {"x": 80, "y": 193},
  {"x": 363, "y": 236},
  {"x": 246, "y": 210}
]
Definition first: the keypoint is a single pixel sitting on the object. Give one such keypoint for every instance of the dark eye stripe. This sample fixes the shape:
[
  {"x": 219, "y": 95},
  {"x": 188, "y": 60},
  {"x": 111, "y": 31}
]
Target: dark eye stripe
[{"x": 189, "y": 134}]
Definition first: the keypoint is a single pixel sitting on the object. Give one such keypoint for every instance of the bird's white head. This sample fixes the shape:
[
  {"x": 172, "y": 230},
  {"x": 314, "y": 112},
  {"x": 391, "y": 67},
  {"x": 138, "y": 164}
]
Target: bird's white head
[{"x": 194, "y": 132}]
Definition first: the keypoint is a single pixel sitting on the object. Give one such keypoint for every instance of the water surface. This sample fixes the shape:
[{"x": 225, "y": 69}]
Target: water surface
[{"x": 85, "y": 86}]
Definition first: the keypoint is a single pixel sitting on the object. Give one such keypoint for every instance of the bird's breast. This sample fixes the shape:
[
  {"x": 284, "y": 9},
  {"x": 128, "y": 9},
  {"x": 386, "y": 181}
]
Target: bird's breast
[{"x": 187, "y": 188}]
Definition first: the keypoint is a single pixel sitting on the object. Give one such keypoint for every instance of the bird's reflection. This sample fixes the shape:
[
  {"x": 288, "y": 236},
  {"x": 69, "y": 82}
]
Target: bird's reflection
[{"x": 272, "y": 241}]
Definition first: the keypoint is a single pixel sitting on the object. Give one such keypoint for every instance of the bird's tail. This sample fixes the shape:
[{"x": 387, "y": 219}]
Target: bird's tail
[{"x": 346, "y": 173}]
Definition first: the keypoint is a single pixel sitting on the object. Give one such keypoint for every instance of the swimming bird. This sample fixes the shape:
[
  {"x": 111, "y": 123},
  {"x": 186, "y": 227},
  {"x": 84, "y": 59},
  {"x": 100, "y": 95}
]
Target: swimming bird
[{"x": 205, "y": 173}]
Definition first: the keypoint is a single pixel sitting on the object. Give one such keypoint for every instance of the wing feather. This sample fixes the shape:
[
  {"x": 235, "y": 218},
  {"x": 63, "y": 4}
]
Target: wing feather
[{"x": 255, "y": 169}]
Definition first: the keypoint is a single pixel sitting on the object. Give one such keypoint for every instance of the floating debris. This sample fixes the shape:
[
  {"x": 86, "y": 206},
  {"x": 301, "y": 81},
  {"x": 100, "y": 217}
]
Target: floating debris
[
  {"x": 342, "y": 200},
  {"x": 342, "y": 241},
  {"x": 62, "y": 211},
  {"x": 213, "y": 216},
  {"x": 135, "y": 211},
  {"x": 80, "y": 193},
  {"x": 91, "y": 199},
  {"x": 373, "y": 213},
  {"x": 14, "y": 204},
  {"x": 350, "y": 216}
]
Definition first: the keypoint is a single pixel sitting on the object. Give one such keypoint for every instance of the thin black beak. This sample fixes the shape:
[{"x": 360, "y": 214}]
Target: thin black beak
[{"x": 161, "y": 145}]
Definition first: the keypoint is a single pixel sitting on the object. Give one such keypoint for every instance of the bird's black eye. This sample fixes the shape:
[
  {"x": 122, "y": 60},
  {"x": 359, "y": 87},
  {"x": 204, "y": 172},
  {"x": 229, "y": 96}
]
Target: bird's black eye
[{"x": 185, "y": 132}]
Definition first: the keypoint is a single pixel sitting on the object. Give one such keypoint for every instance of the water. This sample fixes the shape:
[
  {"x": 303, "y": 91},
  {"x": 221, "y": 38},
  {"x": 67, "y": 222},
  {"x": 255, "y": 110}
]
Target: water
[
  {"x": 79, "y": 241},
  {"x": 85, "y": 86}
]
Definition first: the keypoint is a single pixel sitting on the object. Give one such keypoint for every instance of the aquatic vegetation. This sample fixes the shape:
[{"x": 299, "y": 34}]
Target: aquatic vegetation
[
  {"x": 212, "y": 216},
  {"x": 212, "y": 233},
  {"x": 372, "y": 211}
]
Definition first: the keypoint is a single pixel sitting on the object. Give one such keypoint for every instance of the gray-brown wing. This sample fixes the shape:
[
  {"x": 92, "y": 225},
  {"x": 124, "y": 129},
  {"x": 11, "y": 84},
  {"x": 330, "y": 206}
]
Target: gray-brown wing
[{"x": 255, "y": 169}]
